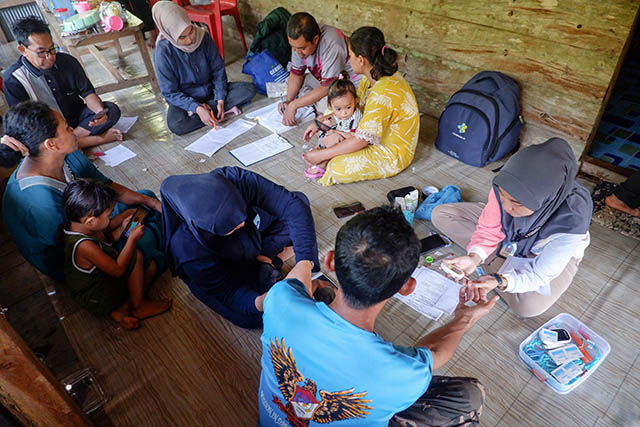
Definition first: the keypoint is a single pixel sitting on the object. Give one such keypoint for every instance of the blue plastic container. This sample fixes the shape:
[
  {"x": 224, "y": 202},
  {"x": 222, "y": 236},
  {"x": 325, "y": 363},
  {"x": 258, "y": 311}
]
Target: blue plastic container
[{"x": 60, "y": 4}]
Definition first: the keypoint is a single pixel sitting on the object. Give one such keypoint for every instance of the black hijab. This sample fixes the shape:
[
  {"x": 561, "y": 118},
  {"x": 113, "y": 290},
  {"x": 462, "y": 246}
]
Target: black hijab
[
  {"x": 542, "y": 178},
  {"x": 208, "y": 206}
]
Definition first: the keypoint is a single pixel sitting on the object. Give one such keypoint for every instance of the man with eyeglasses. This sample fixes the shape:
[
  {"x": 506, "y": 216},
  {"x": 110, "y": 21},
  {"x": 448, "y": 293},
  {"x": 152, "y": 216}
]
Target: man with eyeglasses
[{"x": 57, "y": 79}]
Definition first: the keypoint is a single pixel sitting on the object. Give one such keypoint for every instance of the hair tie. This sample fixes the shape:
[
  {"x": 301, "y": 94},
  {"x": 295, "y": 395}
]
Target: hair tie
[
  {"x": 383, "y": 48},
  {"x": 341, "y": 76}
]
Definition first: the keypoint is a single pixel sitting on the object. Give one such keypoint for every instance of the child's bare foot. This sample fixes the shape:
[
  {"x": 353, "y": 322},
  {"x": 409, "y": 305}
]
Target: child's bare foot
[
  {"x": 613, "y": 202},
  {"x": 150, "y": 308},
  {"x": 127, "y": 322},
  {"x": 314, "y": 157},
  {"x": 304, "y": 158}
]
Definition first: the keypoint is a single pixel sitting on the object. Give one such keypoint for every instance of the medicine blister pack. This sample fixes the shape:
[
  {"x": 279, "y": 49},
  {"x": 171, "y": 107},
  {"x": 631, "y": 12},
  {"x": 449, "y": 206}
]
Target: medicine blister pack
[{"x": 565, "y": 354}]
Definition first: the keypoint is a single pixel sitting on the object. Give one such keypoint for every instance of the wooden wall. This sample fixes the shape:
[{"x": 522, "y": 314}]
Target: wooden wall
[{"x": 562, "y": 52}]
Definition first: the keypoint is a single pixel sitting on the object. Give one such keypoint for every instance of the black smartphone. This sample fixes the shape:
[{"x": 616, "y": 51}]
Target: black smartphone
[
  {"x": 322, "y": 277},
  {"x": 323, "y": 127},
  {"x": 101, "y": 114},
  {"x": 433, "y": 242},
  {"x": 400, "y": 192},
  {"x": 138, "y": 218},
  {"x": 348, "y": 210},
  {"x": 324, "y": 294}
]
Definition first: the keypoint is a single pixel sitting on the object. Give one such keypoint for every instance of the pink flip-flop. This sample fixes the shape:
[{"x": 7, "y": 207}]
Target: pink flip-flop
[{"x": 314, "y": 172}]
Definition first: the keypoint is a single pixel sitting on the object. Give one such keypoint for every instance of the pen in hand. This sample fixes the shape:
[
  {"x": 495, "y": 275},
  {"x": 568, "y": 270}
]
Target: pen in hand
[{"x": 214, "y": 120}]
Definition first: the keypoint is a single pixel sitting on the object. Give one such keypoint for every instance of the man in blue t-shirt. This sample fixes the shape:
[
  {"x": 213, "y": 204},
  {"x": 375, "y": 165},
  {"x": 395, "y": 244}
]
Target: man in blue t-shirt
[{"x": 323, "y": 363}]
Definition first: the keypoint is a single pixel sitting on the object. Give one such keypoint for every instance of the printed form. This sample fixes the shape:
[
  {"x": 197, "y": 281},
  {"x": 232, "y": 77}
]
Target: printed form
[{"x": 434, "y": 295}]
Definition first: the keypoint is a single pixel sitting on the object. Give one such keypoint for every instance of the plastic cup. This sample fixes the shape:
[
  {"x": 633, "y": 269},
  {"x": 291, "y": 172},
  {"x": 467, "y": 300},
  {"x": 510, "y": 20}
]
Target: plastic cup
[
  {"x": 113, "y": 23},
  {"x": 82, "y": 6}
]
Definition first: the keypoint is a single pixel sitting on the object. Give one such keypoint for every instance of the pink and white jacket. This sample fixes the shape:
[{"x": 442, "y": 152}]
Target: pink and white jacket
[{"x": 551, "y": 255}]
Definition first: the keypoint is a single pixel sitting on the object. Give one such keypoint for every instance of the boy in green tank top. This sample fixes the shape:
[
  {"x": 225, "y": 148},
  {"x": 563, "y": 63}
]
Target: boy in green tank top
[{"x": 99, "y": 277}]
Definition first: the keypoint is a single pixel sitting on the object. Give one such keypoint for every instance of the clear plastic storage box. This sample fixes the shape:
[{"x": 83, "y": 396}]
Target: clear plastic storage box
[{"x": 567, "y": 321}]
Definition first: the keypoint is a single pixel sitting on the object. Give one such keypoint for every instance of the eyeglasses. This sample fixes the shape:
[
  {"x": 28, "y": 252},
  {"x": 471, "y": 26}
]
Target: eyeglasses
[{"x": 44, "y": 54}]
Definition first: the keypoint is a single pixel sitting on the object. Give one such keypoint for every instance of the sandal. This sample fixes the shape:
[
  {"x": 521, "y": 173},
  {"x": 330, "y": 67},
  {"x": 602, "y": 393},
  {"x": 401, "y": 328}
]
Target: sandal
[{"x": 314, "y": 172}]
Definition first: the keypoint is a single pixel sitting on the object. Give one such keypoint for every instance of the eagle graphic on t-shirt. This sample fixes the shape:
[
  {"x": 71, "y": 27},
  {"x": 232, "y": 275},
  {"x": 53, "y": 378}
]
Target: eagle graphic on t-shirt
[{"x": 302, "y": 405}]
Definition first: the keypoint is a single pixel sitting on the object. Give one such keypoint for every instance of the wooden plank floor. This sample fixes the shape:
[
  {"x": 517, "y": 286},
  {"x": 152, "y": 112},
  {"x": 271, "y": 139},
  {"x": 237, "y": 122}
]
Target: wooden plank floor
[{"x": 191, "y": 367}]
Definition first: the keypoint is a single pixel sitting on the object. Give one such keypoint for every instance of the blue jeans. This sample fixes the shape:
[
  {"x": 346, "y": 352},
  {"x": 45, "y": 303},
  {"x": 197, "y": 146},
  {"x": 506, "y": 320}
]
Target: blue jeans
[
  {"x": 113, "y": 115},
  {"x": 180, "y": 122}
]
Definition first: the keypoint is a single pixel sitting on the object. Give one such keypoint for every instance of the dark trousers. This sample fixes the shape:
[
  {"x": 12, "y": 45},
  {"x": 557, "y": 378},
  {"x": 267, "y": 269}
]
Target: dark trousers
[
  {"x": 449, "y": 401},
  {"x": 629, "y": 191},
  {"x": 180, "y": 122},
  {"x": 87, "y": 115}
]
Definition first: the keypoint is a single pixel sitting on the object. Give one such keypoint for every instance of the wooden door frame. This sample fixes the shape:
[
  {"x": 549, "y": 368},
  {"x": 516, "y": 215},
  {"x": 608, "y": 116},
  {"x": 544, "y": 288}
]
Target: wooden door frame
[
  {"x": 591, "y": 165},
  {"x": 29, "y": 390}
]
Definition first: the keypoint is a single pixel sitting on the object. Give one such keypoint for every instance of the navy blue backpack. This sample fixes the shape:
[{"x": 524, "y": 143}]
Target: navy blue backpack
[{"x": 481, "y": 123}]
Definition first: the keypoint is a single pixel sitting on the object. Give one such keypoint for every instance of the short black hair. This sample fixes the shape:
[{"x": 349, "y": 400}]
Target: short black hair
[
  {"x": 86, "y": 197},
  {"x": 30, "y": 122},
  {"x": 302, "y": 24},
  {"x": 27, "y": 26},
  {"x": 341, "y": 87},
  {"x": 376, "y": 253}
]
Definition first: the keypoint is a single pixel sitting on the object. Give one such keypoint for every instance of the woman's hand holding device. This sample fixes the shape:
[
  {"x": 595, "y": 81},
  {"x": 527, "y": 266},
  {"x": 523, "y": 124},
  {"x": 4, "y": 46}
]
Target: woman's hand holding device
[{"x": 466, "y": 263}]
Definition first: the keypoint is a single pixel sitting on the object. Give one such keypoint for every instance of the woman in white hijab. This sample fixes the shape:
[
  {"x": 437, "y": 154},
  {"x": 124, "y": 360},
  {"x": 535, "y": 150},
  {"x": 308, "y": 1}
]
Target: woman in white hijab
[{"x": 191, "y": 73}]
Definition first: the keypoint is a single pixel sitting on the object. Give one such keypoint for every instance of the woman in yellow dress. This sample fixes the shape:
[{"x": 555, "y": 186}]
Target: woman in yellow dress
[{"x": 385, "y": 142}]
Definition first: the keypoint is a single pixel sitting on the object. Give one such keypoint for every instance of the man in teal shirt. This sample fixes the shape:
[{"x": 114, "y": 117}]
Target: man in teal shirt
[{"x": 323, "y": 363}]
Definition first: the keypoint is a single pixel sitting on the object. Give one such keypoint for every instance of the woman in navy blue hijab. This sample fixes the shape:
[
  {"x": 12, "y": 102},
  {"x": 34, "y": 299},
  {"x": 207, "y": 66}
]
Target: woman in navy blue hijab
[{"x": 216, "y": 227}]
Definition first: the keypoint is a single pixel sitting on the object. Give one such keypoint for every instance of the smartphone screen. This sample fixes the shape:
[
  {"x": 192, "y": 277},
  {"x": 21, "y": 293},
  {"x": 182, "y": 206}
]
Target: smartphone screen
[
  {"x": 321, "y": 276},
  {"x": 432, "y": 242},
  {"x": 138, "y": 217},
  {"x": 563, "y": 335},
  {"x": 348, "y": 210}
]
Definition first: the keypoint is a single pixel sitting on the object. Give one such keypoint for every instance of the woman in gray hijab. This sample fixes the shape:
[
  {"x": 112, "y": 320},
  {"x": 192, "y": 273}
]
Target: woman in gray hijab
[{"x": 531, "y": 234}]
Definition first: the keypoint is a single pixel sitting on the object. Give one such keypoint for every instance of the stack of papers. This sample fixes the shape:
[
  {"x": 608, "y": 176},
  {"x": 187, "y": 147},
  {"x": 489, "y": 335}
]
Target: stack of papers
[
  {"x": 214, "y": 140},
  {"x": 117, "y": 155},
  {"x": 261, "y": 149},
  {"x": 434, "y": 295},
  {"x": 124, "y": 124},
  {"x": 271, "y": 118}
]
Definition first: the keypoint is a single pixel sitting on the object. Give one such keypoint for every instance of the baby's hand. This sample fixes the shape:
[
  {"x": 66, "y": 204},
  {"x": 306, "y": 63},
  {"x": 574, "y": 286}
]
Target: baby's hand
[
  {"x": 136, "y": 233},
  {"x": 311, "y": 130}
]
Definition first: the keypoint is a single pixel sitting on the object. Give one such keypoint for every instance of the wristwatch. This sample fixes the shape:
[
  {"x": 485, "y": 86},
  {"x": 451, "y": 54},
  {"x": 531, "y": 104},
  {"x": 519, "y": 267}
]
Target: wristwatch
[{"x": 502, "y": 283}]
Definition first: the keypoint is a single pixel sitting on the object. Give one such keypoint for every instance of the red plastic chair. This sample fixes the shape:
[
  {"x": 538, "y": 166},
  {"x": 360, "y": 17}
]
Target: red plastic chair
[{"x": 211, "y": 15}]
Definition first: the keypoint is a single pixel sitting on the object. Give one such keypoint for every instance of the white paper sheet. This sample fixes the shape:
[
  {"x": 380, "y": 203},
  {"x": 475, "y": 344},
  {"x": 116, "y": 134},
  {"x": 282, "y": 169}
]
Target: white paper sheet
[
  {"x": 214, "y": 140},
  {"x": 116, "y": 155},
  {"x": 271, "y": 118},
  {"x": 124, "y": 124},
  {"x": 260, "y": 149},
  {"x": 434, "y": 295}
]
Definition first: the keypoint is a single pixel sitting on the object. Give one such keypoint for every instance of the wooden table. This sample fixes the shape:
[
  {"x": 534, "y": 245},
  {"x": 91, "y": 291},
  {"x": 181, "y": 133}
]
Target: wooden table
[{"x": 86, "y": 43}]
